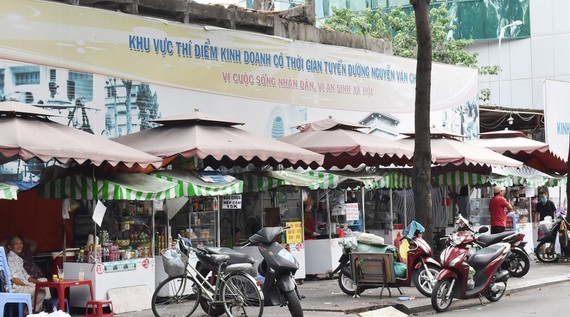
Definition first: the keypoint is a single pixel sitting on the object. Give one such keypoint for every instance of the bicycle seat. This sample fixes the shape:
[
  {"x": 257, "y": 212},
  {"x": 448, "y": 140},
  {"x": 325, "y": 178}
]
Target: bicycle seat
[{"x": 235, "y": 256}]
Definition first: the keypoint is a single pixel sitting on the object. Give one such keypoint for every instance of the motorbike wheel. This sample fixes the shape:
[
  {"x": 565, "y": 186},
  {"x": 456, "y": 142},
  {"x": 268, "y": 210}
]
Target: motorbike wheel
[
  {"x": 422, "y": 281},
  {"x": 346, "y": 284},
  {"x": 294, "y": 304},
  {"x": 520, "y": 264},
  {"x": 439, "y": 299},
  {"x": 545, "y": 252},
  {"x": 495, "y": 291}
]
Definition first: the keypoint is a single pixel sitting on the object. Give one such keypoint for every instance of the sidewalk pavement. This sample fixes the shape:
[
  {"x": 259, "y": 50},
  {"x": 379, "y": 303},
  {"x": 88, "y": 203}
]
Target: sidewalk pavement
[{"x": 324, "y": 295}]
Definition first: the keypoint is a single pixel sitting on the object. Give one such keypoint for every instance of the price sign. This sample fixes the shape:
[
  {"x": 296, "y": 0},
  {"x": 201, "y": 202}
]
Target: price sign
[
  {"x": 231, "y": 202},
  {"x": 295, "y": 233},
  {"x": 351, "y": 211}
]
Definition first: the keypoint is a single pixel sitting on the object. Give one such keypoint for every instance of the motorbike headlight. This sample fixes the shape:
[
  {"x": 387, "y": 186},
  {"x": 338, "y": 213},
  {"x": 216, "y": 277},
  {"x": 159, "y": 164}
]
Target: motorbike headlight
[{"x": 456, "y": 239}]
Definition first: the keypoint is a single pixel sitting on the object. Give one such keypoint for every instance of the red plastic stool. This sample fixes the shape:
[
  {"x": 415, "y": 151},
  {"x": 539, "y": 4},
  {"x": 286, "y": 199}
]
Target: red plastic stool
[{"x": 95, "y": 308}]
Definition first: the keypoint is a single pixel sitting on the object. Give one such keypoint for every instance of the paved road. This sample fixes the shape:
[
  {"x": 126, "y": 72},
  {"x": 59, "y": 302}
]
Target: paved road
[
  {"x": 549, "y": 300},
  {"x": 324, "y": 295}
]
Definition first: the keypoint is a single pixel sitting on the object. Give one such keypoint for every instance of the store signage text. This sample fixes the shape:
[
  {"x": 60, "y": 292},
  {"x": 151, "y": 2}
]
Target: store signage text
[{"x": 231, "y": 202}]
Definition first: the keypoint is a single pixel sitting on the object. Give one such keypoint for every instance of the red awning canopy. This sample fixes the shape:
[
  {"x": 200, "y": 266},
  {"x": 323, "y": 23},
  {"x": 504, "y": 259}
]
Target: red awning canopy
[
  {"x": 446, "y": 149},
  {"x": 517, "y": 145},
  {"x": 26, "y": 133},
  {"x": 216, "y": 142},
  {"x": 343, "y": 145}
]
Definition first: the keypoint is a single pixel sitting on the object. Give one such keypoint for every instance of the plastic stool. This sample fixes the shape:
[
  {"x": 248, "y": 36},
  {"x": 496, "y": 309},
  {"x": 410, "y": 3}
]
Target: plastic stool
[{"x": 95, "y": 308}]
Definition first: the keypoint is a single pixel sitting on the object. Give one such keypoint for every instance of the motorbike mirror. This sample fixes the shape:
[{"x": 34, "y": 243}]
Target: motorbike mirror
[{"x": 483, "y": 229}]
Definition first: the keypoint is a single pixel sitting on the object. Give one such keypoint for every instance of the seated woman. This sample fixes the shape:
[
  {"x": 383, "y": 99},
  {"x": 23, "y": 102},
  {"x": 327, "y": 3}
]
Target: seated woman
[{"x": 22, "y": 281}]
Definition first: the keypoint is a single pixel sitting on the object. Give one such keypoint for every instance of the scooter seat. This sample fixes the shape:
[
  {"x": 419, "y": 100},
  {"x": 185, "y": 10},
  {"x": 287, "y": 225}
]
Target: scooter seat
[
  {"x": 235, "y": 256},
  {"x": 486, "y": 255},
  {"x": 489, "y": 239},
  {"x": 219, "y": 258}
]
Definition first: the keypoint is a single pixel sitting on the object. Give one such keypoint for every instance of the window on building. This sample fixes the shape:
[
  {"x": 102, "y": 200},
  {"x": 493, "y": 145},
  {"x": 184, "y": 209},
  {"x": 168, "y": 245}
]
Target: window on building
[{"x": 27, "y": 78}]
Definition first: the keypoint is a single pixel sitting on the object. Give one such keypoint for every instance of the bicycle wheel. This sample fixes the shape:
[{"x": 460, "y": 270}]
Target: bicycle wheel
[
  {"x": 175, "y": 297},
  {"x": 242, "y": 296}
]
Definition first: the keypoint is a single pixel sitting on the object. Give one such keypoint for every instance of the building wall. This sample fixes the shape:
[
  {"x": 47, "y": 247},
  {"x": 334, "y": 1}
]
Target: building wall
[{"x": 527, "y": 62}]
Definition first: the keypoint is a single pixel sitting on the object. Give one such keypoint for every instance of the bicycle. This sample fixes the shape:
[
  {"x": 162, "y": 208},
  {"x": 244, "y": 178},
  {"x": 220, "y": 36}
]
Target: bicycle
[{"x": 186, "y": 287}]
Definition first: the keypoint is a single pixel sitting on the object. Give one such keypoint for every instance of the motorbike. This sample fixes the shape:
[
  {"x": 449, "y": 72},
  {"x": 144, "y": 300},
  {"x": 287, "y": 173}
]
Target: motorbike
[
  {"x": 277, "y": 270},
  {"x": 518, "y": 261},
  {"x": 545, "y": 250},
  {"x": 458, "y": 260},
  {"x": 421, "y": 268}
]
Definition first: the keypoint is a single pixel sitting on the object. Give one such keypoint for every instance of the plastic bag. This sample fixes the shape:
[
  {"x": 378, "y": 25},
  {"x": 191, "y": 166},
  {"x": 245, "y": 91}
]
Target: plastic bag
[
  {"x": 174, "y": 263},
  {"x": 370, "y": 239}
]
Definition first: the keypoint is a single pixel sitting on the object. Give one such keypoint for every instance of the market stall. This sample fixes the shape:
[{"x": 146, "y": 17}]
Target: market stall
[
  {"x": 345, "y": 208},
  {"x": 276, "y": 199},
  {"x": 521, "y": 183},
  {"x": 195, "y": 214},
  {"x": 117, "y": 229}
]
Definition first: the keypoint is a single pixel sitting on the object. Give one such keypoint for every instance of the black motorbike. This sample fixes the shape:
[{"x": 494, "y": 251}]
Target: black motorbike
[
  {"x": 545, "y": 250},
  {"x": 518, "y": 261},
  {"x": 277, "y": 269}
]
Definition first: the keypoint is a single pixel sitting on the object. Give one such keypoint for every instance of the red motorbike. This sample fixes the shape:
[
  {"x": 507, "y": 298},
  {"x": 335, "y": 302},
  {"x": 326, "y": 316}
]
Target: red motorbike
[
  {"x": 457, "y": 259},
  {"x": 421, "y": 268}
]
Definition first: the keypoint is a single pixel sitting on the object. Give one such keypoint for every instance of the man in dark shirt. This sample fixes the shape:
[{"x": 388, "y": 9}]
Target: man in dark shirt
[{"x": 544, "y": 207}]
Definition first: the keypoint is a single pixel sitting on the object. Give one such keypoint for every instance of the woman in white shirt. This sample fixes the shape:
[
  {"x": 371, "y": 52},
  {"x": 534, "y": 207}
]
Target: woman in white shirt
[{"x": 22, "y": 282}]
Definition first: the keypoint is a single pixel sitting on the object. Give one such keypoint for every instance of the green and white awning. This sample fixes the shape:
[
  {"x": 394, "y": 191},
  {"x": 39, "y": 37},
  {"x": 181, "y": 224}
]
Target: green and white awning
[
  {"x": 191, "y": 185},
  {"x": 525, "y": 175},
  {"x": 395, "y": 181},
  {"x": 116, "y": 186},
  {"x": 459, "y": 178},
  {"x": 255, "y": 182},
  {"x": 8, "y": 191},
  {"x": 322, "y": 180},
  {"x": 327, "y": 180}
]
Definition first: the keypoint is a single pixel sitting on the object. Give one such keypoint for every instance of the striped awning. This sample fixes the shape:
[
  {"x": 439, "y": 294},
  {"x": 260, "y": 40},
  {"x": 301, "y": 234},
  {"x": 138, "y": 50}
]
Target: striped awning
[
  {"x": 8, "y": 191},
  {"x": 328, "y": 180},
  {"x": 192, "y": 185},
  {"x": 525, "y": 175},
  {"x": 459, "y": 178},
  {"x": 116, "y": 186},
  {"x": 255, "y": 182},
  {"x": 322, "y": 180},
  {"x": 395, "y": 181}
]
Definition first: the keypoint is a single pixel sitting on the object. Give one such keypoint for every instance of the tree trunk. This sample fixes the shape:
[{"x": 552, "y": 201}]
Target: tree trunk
[{"x": 421, "y": 173}]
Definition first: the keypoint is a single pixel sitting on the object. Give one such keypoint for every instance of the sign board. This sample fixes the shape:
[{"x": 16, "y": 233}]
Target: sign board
[
  {"x": 351, "y": 210},
  {"x": 231, "y": 202},
  {"x": 557, "y": 115},
  {"x": 295, "y": 233},
  {"x": 221, "y": 61}
]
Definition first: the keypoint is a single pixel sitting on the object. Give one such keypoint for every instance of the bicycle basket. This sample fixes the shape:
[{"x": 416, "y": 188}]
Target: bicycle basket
[{"x": 174, "y": 262}]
